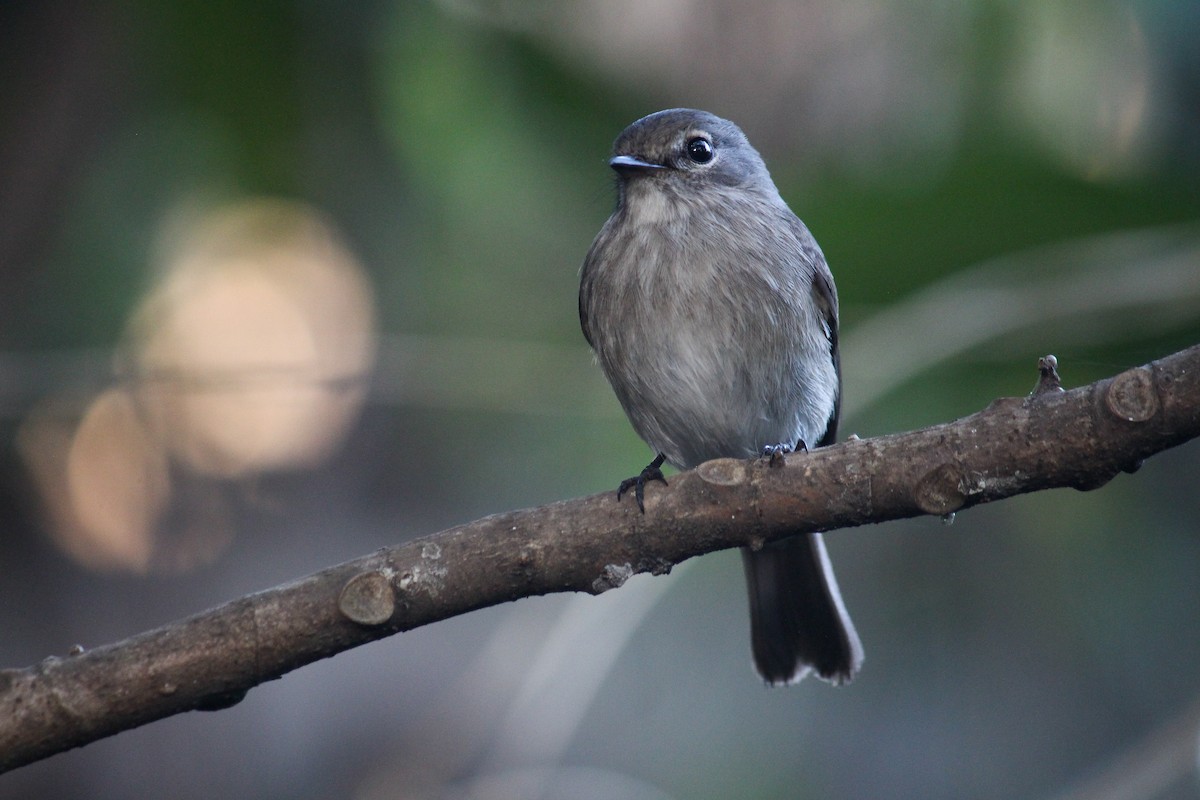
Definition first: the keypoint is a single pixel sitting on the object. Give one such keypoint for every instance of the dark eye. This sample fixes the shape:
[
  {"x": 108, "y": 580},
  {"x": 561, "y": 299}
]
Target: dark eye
[{"x": 699, "y": 150}]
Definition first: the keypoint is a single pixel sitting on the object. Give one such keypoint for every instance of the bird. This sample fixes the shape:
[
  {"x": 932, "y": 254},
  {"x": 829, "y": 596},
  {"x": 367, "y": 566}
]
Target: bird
[{"x": 713, "y": 314}]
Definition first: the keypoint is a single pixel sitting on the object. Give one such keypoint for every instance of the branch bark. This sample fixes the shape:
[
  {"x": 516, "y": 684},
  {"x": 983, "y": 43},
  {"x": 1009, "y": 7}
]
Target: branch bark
[{"x": 1080, "y": 438}]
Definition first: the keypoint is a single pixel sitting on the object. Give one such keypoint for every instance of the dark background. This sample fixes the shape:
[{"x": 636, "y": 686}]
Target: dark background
[{"x": 990, "y": 182}]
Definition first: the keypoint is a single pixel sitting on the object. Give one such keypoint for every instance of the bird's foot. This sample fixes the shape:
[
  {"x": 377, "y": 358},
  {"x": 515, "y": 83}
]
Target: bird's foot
[
  {"x": 774, "y": 453},
  {"x": 652, "y": 472}
]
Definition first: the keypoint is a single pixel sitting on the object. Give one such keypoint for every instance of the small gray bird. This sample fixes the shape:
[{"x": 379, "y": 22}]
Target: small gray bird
[{"x": 714, "y": 316}]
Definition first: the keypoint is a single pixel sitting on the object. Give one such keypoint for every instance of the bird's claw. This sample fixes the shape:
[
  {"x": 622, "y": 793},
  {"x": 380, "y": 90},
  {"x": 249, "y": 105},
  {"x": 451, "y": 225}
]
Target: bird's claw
[
  {"x": 774, "y": 453},
  {"x": 652, "y": 472}
]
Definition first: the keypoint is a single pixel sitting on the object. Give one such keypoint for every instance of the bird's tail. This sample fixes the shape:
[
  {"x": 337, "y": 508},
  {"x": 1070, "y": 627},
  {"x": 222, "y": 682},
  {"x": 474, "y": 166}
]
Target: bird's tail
[{"x": 798, "y": 623}]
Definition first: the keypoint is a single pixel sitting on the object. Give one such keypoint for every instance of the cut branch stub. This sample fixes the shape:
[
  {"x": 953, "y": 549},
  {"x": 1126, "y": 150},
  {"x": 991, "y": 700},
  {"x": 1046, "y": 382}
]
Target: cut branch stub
[
  {"x": 368, "y": 598},
  {"x": 1131, "y": 396}
]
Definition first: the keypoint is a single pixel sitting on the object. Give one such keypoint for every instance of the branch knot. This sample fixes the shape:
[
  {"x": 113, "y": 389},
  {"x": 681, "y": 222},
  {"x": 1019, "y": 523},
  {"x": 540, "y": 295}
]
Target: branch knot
[
  {"x": 940, "y": 491},
  {"x": 1131, "y": 396},
  {"x": 368, "y": 599}
]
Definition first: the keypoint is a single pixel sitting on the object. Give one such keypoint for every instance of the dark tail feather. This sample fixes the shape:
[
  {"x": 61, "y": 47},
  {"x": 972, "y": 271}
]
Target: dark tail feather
[{"x": 797, "y": 621}]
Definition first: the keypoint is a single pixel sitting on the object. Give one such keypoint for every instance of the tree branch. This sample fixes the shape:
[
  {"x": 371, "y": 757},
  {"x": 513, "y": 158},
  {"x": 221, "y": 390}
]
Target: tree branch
[{"x": 1080, "y": 438}]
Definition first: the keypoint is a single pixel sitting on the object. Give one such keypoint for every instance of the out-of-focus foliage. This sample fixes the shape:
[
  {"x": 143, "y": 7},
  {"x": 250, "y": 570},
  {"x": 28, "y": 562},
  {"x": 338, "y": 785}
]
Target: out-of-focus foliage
[{"x": 285, "y": 282}]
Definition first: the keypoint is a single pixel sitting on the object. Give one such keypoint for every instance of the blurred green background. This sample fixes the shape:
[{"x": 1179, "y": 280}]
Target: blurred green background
[{"x": 346, "y": 236}]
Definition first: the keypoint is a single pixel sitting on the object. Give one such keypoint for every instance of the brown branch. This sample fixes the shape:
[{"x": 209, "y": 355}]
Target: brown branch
[{"x": 1080, "y": 438}]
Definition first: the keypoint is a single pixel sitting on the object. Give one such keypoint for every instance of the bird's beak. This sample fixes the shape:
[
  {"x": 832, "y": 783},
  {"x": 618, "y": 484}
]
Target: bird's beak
[{"x": 631, "y": 164}]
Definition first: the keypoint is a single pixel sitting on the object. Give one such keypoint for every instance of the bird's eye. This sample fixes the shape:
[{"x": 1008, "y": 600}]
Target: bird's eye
[{"x": 699, "y": 150}]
